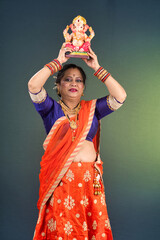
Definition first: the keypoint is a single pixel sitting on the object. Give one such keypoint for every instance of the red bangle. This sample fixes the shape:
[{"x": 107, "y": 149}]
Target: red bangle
[
  {"x": 54, "y": 66},
  {"x": 59, "y": 65},
  {"x": 99, "y": 69},
  {"x": 102, "y": 74},
  {"x": 50, "y": 67}
]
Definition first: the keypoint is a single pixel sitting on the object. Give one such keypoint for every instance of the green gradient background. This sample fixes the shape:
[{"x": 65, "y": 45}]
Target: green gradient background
[{"x": 127, "y": 44}]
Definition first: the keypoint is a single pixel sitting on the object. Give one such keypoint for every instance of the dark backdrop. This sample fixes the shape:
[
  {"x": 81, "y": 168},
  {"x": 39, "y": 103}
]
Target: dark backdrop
[{"x": 127, "y": 44}]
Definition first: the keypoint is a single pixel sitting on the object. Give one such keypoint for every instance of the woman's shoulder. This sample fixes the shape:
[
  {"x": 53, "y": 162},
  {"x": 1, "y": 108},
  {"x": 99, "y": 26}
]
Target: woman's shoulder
[{"x": 44, "y": 104}]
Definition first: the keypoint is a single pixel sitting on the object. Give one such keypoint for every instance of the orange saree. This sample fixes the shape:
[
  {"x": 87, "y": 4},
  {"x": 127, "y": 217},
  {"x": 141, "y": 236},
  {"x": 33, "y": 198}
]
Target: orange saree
[{"x": 65, "y": 212}]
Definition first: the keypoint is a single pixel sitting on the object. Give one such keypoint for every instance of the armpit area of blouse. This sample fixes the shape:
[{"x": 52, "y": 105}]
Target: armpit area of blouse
[{"x": 50, "y": 110}]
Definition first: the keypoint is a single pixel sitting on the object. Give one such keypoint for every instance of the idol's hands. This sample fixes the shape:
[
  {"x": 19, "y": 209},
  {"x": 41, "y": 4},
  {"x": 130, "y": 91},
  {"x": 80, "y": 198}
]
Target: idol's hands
[
  {"x": 61, "y": 56},
  {"x": 92, "y": 61}
]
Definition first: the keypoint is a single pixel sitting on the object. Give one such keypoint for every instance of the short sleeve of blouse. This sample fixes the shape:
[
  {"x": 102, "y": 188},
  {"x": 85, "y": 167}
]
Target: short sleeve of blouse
[
  {"x": 42, "y": 102},
  {"x": 106, "y": 105}
]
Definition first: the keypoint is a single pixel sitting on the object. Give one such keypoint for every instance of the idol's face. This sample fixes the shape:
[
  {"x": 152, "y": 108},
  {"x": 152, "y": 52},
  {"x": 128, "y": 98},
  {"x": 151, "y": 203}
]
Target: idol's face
[{"x": 79, "y": 25}]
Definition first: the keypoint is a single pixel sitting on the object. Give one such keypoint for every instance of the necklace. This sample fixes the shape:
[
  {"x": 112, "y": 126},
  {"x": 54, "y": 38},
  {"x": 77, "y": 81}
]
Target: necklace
[{"x": 67, "y": 111}]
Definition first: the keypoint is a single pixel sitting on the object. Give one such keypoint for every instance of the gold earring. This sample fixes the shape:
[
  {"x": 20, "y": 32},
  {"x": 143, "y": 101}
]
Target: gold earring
[
  {"x": 58, "y": 92},
  {"x": 82, "y": 94}
]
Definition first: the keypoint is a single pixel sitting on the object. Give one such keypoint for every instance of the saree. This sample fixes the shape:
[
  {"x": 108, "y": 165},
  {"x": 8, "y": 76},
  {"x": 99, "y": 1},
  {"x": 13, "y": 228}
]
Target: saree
[{"x": 57, "y": 163}]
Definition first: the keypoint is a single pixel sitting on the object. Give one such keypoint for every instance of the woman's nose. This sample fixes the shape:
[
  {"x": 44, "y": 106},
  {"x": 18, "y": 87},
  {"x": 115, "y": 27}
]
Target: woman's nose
[{"x": 73, "y": 83}]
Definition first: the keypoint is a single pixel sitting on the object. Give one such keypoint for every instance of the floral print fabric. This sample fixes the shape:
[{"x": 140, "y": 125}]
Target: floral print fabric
[{"x": 74, "y": 212}]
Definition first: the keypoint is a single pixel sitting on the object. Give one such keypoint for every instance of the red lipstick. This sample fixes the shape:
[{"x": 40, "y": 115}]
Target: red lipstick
[{"x": 73, "y": 90}]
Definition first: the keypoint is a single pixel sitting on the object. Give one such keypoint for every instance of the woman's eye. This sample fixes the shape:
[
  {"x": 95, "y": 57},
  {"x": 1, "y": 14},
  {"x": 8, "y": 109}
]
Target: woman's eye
[
  {"x": 79, "y": 80},
  {"x": 67, "y": 79}
]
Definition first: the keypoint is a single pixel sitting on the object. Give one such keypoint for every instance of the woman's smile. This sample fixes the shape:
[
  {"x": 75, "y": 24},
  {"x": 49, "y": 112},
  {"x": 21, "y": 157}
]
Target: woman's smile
[{"x": 73, "y": 90}]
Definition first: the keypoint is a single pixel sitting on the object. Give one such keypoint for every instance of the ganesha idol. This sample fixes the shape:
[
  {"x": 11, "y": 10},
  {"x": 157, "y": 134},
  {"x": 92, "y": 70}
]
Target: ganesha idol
[{"x": 78, "y": 40}]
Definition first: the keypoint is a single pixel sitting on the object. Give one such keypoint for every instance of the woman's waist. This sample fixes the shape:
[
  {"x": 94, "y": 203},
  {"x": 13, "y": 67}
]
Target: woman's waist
[
  {"x": 79, "y": 168},
  {"x": 84, "y": 160},
  {"x": 86, "y": 153}
]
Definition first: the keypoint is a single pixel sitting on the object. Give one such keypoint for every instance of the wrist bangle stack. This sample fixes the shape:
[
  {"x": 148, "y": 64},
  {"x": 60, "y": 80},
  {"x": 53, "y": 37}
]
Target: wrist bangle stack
[
  {"x": 54, "y": 66},
  {"x": 102, "y": 74}
]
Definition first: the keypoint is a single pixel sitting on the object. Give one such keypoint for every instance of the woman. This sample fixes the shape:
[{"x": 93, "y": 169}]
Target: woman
[{"x": 71, "y": 197}]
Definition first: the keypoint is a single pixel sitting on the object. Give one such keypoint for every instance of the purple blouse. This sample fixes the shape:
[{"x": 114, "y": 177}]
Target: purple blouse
[{"x": 50, "y": 111}]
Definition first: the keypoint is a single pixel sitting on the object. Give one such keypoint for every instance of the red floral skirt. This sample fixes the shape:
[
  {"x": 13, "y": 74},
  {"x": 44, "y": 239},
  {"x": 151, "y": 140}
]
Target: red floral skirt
[{"x": 74, "y": 212}]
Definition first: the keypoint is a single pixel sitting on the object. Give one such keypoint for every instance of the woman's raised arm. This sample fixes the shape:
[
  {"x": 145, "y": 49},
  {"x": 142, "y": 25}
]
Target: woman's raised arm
[
  {"x": 114, "y": 88},
  {"x": 38, "y": 80}
]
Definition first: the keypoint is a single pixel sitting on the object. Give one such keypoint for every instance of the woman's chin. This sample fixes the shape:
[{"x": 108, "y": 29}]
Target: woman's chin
[{"x": 74, "y": 95}]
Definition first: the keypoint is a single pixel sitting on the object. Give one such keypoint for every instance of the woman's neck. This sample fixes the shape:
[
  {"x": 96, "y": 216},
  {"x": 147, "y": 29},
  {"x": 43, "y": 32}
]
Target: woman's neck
[{"x": 71, "y": 103}]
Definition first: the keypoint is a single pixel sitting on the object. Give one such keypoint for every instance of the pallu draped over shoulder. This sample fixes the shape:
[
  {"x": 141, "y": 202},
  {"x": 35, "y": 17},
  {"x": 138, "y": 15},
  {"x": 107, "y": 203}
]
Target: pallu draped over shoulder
[{"x": 68, "y": 207}]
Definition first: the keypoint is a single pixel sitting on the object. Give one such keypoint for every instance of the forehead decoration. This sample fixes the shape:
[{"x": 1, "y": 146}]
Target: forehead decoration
[{"x": 80, "y": 18}]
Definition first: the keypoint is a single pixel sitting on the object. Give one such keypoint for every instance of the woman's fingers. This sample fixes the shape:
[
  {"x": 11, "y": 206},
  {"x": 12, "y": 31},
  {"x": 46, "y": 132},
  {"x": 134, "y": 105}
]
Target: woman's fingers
[
  {"x": 85, "y": 60},
  {"x": 92, "y": 55},
  {"x": 91, "y": 51},
  {"x": 63, "y": 45},
  {"x": 68, "y": 49},
  {"x": 62, "y": 57}
]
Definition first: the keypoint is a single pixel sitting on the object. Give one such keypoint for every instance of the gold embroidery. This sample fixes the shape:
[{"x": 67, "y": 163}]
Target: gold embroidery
[
  {"x": 39, "y": 97},
  {"x": 108, "y": 103},
  {"x": 68, "y": 228},
  {"x": 51, "y": 225},
  {"x": 112, "y": 103}
]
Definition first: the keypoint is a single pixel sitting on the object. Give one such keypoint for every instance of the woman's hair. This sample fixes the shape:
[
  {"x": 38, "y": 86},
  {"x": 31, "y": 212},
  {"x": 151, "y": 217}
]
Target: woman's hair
[{"x": 61, "y": 73}]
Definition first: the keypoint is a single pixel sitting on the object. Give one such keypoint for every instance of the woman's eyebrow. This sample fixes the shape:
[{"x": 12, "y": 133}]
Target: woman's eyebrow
[{"x": 73, "y": 76}]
